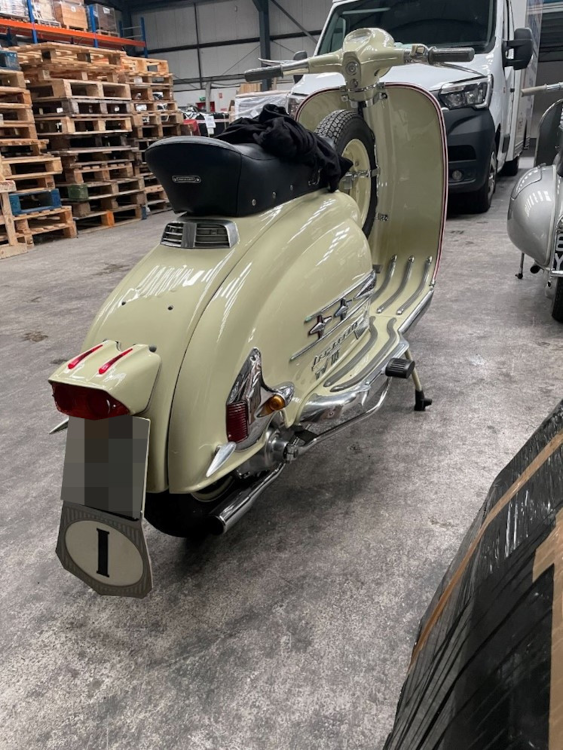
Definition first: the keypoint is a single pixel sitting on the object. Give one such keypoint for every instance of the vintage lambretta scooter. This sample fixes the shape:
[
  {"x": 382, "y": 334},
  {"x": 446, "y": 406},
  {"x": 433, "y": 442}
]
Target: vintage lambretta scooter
[
  {"x": 535, "y": 213},
  {"x": 271, "y": 315}
]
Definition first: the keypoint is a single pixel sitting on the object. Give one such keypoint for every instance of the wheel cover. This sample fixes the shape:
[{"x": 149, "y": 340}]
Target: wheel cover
[{"x": 358, "y": 181}]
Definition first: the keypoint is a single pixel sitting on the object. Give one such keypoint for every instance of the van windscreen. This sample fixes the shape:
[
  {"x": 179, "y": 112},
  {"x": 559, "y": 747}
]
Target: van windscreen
[{"x": 440, "y": 23}]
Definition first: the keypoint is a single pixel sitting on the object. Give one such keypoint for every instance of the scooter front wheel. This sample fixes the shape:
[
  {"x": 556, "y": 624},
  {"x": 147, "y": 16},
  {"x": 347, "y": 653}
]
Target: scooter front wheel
[{"x": 353, "y": 139}]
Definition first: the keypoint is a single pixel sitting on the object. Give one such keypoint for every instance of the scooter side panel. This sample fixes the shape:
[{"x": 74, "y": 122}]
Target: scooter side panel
[
  {"x": 302, "y": 264},
  {"x": 159, "y": 303},
  {"x": 535, "y": 206}
]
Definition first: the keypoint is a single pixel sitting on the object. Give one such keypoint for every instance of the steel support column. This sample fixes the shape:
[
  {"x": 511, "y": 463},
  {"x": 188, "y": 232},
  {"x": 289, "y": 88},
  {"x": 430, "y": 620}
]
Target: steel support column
[{"x": 263, "y": 7}]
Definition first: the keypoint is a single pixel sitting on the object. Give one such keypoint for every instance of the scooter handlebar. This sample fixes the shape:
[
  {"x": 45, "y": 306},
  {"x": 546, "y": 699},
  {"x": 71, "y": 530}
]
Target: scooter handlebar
[
  {"x": 437, "y": 56},
  {"x": 263, "y": 74},
  {"x": 547, "y": 88}
]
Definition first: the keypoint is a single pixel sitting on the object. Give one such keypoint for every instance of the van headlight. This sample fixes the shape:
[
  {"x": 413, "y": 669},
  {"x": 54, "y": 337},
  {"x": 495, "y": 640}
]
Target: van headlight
[
  {"x": 476, "y": 94},
  {"x": 294, "y": 101}
]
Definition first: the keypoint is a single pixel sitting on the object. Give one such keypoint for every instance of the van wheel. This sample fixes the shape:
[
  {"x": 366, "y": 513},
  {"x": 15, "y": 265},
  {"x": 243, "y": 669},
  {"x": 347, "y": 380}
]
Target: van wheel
[
  {"x": 511, "y": 168},
  {"x": 480, "y": 201},
  {"x": 557, "y": 309},
  {"x": 353, "y": 139}
]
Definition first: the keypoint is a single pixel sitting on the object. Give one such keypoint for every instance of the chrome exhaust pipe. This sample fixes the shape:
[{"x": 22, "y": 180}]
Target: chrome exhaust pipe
[{"x": 234, "y": 508}]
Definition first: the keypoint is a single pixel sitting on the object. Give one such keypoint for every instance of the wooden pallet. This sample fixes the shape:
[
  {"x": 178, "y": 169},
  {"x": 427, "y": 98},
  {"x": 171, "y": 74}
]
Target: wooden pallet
[
  {"x": 81, "y": 124},
  {"x": 94, "y": 205},
  {"x": 56, "y": 52},
  {"x": 28, "y": 167},
  {"x": 82, "y": 106},
  {"x": 145, "y": 65},
  {"x": 12, "y": 78},
  {"x": 18, "y": 129},
  {"x": 157, "y": 199},
  {"x": 102, "y": 189},
  {"x": 97, "y": 172},
  {"x": 83, "y": 72},
  {"x": 32, "y": 201},
  {"x": 12, "y": 242},
  {"x": 15, "y": 95},
  {"x": 106, "y": 219},
  {"x": 64, "y": 88},
  {"x": 47, "y": 222},
  {"x": 11, "y": 148}
]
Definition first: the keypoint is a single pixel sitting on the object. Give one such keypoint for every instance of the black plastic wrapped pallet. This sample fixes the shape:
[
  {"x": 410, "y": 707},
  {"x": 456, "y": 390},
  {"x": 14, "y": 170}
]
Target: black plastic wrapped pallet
[{"x": 487, "y": 671}]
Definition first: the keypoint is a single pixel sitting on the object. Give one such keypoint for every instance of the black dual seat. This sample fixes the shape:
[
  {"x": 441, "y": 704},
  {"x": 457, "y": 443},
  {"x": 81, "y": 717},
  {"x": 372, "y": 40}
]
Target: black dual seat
[{"x": 204, "y": 177}]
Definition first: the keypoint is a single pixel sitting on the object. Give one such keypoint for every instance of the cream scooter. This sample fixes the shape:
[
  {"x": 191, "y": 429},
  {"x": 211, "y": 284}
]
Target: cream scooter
[
  {"x": 535, "y": 213},
  {"x": 271, "y": 316}
]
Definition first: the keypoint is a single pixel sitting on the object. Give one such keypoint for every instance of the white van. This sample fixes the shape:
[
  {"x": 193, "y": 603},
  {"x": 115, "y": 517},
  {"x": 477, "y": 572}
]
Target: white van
[{"x": 487, "y": 120}]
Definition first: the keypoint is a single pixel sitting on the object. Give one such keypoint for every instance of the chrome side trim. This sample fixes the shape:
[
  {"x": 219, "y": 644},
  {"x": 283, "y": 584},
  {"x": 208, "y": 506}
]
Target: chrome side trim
[
  {"x": 387, "y": 280},
  {"x": 417, "y": 313},
  {"x": 366, "y": 285},
  {"x": 371, "y": 372},
  {"x": 420, "y": 289},
  {"x": 60, "y": 427},
  {"x": 335, "y": 430},
  {"x": 372, "y": 340},
  {"x": 222, "y": 455},
  {"x": 328, "y": 334},
  {"x": 402, "y": 286}
]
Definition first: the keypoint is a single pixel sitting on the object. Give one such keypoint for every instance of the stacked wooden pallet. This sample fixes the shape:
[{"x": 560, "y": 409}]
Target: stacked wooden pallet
[
  {"x": 30, "y": 203},
  {"x": 82, "y": 105},
  {"x": 156, "y": 115}
]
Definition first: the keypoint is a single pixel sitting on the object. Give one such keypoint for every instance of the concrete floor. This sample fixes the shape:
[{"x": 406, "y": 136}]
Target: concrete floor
[{"x": 294, "y": 631}]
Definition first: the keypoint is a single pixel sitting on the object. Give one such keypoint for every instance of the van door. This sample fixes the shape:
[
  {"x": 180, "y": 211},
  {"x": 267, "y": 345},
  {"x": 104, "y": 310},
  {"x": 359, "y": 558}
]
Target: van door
[{"x": 509, "y": 83}]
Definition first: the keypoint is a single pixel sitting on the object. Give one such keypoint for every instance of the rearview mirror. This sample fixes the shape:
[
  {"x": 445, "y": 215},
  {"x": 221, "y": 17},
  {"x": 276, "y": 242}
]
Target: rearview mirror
[
  {"x": 301, "y": 55},
  {"x": 523, "y": 46}
]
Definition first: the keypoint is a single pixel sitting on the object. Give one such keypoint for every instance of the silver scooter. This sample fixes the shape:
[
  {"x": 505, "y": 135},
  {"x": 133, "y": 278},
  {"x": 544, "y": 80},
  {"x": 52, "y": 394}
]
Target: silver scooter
[{"x": 535, "y": 214}]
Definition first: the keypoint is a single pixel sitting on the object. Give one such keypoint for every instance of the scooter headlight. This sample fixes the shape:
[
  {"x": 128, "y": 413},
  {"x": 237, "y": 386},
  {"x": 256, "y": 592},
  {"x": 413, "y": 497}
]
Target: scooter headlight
[{"x": 476, "y": 94}]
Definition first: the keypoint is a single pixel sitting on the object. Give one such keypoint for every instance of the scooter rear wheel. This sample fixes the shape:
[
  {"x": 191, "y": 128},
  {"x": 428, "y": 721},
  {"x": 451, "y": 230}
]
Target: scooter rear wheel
[
  {"x": 184, "y": 516},
  {"x": 353, "y": 139}
]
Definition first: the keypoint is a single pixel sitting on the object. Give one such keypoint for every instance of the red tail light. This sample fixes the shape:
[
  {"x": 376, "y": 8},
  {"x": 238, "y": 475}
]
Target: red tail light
[
  {"x": 86, "y": 403},
  {"x": 237, "y": 422}
]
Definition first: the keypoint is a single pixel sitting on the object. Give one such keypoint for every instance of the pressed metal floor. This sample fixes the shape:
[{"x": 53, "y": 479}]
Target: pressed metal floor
[{"x": 293, "y": 632}]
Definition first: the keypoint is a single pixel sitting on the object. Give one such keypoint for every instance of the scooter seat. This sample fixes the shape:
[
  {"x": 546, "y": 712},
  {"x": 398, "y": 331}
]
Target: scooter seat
[{"x": 204, "y": 177}]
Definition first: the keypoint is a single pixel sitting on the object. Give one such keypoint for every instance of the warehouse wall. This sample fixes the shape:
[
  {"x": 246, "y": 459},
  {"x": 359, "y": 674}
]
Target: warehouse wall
[{"x": 221, "y": 24}]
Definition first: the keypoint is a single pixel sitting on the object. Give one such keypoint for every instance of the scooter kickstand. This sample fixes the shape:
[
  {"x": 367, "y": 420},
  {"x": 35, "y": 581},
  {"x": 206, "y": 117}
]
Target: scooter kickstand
[
  {"x": 520, "y": 274},
  {"x": 421, "y": 402}
]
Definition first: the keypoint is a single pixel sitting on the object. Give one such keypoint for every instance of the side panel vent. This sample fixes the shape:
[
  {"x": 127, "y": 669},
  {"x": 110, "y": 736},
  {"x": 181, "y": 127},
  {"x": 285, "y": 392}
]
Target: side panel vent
[
  {"x": 211, "y": 235},
  {"x": 173, "y": 234}
]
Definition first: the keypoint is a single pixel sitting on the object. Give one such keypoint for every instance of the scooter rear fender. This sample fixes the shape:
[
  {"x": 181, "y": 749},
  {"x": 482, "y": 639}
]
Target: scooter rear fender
[{"x": 535, "y": 209}]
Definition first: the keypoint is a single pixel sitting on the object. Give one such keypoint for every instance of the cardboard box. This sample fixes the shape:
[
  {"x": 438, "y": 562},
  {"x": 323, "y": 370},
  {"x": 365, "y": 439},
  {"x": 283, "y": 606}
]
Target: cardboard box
[
  {"x": 43, "y": 11},
  {"x": 105, "y": 18},
  {"x": 17, "y": 8},
  {"x": 71, "y": 13}
]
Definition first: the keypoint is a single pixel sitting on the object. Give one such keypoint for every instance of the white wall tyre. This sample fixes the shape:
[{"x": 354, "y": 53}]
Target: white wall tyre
[{"x": 353, "y": 139}]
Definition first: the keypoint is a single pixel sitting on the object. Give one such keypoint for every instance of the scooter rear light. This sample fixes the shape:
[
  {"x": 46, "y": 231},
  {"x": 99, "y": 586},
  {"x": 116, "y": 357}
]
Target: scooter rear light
[
  {"x": 86, "y": 403},
  {"x": 104, "y": 368},
  {"x": 237, "y": 422},
  {"x": 77, "y": 360}
]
